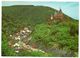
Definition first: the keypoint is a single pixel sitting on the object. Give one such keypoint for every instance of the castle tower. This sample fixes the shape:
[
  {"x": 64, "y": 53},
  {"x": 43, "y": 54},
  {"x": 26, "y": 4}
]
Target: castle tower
[{"x": 60, "y": 11}]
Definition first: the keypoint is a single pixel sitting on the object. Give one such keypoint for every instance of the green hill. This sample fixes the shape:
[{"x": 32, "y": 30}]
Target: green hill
[{"x": 62, "y": 35}]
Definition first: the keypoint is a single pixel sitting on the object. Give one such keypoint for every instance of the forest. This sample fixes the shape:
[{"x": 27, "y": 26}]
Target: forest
[{"x": 59, "y": 38}]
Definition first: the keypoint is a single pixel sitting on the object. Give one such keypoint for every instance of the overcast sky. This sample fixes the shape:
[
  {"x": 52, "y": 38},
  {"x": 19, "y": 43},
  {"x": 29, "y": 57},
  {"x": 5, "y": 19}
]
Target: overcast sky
[{"x": 69, "y": 8}]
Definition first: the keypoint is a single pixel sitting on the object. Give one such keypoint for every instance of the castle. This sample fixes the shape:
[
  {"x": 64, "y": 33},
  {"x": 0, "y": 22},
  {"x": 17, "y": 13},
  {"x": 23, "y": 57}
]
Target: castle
[{"x": 58, "y": 16}]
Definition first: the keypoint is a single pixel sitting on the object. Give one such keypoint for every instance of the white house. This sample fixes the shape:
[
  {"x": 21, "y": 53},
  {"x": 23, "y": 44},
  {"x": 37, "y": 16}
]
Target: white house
[
  {"x": 17, "y": 38},
  {"x": 16, "y": 44}
]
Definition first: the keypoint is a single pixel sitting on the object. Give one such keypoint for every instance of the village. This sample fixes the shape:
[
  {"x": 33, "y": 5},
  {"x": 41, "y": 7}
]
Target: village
[{"x": 20, "y": 41}]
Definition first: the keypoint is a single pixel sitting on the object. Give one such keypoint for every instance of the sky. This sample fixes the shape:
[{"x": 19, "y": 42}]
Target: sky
[{"x": 69, "y": 8}]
